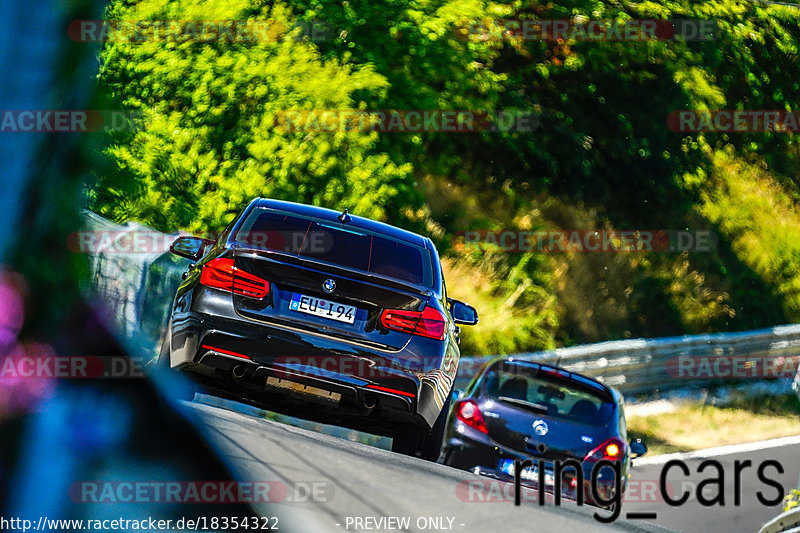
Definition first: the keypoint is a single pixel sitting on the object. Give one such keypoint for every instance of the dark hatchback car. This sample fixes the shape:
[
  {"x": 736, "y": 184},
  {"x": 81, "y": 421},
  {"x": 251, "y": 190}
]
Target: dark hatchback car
[
  {"x": 515, "y": 409},
  {"x": 323, "y": 315}
]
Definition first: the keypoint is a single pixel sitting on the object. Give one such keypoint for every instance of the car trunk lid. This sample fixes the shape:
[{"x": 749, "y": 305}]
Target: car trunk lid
[
  {"x": 326, "y": 299},
  {"x": 536, "y": 433}
]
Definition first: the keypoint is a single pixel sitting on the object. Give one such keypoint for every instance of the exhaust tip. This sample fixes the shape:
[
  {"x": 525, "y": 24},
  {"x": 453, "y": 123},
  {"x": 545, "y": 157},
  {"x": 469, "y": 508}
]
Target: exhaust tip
[
  {"x": 238, "y": 372},
  {"x": 370, "y": 401}
]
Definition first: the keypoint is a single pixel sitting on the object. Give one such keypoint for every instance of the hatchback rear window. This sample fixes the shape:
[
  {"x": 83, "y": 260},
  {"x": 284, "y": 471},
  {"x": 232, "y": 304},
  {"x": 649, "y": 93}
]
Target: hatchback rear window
[
  {"x": 553, "y": 394},
  {"x": 339, "y": 245}
]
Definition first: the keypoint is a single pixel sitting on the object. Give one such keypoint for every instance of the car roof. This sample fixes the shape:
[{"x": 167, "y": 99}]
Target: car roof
[
  {"x": 573, "y": 376},
  {"x": 356, "y": 221}
]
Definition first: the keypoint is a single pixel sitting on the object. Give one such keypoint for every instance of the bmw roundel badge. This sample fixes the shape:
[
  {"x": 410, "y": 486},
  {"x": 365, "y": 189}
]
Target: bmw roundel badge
[{"x": 329, "y": 285}]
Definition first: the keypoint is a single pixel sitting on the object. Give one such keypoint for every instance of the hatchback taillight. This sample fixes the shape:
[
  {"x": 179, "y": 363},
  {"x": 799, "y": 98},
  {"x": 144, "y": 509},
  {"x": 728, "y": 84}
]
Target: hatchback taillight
[
  {"x": 221, "y": 274},
  {"x": 468, "y": 412},
  {"x": 427, "y": 323},
  {"x": 611, "y": 450}
]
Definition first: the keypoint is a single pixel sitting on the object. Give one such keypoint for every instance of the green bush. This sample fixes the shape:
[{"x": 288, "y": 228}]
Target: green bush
[
  {"x": 211, "y": 139},
  {"x": 602, "y": 156}
]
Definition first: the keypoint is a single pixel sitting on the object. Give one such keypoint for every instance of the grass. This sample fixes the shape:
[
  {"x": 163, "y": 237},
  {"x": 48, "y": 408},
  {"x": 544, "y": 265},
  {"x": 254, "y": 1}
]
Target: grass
[
  {"x": 516, "y": 314},
  {"x": 761, "y": 220},
  {"x": 694, "y": 426}
]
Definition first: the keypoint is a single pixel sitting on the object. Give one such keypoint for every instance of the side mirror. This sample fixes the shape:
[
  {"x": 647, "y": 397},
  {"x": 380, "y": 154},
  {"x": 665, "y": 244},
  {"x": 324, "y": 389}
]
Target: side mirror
[
  {"x": 638, "y": 448},
  {"x": 463, "y": 313},
  {"x": 189, "y": 247}
]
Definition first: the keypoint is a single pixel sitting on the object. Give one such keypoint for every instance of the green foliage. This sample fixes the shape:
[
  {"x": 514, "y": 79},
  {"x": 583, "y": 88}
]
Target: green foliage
[
  {"x": 421, "y": 50},
  {"x": 211, "y": 140},
  {"x": 762, "y": 224},
  {"x": 516, "y": 309},
  {"x": 602, "y": 156},
  {"x": 792, "y": 500}
]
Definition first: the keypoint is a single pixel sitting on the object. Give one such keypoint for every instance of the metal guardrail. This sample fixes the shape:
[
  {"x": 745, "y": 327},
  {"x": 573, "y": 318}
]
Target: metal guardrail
[
  {"x": 648, "y": 365},
  {"x": 788, "y": 522},
  {"x": 138, "y": 289}
]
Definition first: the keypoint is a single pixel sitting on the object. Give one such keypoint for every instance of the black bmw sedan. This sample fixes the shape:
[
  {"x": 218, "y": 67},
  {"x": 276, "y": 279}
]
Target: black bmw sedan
[
  {"x": 323, "y": 315},
  {"x": 515, "y": 410}
]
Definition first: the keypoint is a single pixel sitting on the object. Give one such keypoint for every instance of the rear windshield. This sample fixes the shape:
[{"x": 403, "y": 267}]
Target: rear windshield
[
  {"x": 553, "y": 394},
  {"x": 336, "y": 244}
]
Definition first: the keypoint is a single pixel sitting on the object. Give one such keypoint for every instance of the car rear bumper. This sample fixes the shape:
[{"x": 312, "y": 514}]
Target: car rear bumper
[
  {"x": 274, "y": 378},
  {"x": 469, "y": 449},
  {"x": 307, "y": 374}
]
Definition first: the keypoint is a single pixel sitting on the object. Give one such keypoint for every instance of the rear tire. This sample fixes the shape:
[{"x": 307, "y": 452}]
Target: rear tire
[
  {"x": 432, "y": 447},
  {"x": 413, "y": 439},
  {"x": 186, "y": 389},
  {"x": 406, "y": 440}
]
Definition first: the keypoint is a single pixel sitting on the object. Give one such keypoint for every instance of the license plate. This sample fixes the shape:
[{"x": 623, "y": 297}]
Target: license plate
[
  {"x": 324, "y": 308},
  {"x": 302, "y": 390},
  {"x": 529, "y": 473}
]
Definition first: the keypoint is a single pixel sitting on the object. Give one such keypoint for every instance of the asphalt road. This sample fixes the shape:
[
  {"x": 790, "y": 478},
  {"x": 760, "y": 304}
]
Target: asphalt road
[
  {"x": 329, "y": 484},
  {"x": 748, "y": 516},
  {"x": 358, "y": 485}
]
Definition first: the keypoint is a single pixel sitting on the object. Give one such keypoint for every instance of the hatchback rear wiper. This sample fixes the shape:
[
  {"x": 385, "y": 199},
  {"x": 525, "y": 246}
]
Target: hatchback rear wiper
[{"x": 523, "y": 403}]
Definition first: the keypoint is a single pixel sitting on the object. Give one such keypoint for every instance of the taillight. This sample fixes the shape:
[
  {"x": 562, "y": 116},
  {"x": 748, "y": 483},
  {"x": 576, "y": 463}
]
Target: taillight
[
  {"x": 221, "y": 274},
  {"x": 431, "y": 324},
  {"x": 468, "y": 412},
  {"x": 610, "y": 450},
  {"x": 427, "y": 323},
  {"x": 400, "y": 320}
]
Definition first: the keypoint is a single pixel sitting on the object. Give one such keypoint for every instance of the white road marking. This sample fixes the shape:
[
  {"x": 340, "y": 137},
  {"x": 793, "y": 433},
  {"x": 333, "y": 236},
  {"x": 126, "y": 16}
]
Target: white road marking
[{"x": 719, "y": 450}]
